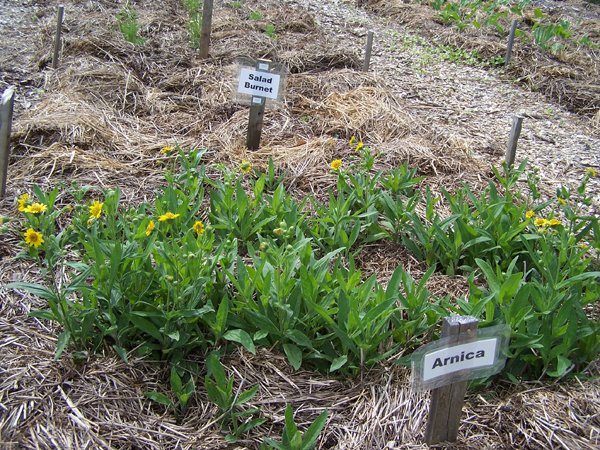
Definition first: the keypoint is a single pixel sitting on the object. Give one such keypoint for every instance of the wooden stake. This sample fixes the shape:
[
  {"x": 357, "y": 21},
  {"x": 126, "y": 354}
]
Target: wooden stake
[
  {"x": 446, "y": 402},
  {"x": 368, "y": 52},
  {"x": 57, "y": 39},
  {"x": 511, "y": 40},
  {"x": 257, "y": 113},
  {"x": 6, "y": 113},
  {"x": 207, "y": 11},
  {"x": 515, "y": 132}
]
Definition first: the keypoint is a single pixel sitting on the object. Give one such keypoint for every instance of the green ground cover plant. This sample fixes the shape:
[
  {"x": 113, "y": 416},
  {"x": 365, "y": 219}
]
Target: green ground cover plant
[
  {"x": 128, "y": 24},
  {"x": 234, "y": 259},
  {"x": 549, "y": 34},
  {"x": 194, "y": 10}
]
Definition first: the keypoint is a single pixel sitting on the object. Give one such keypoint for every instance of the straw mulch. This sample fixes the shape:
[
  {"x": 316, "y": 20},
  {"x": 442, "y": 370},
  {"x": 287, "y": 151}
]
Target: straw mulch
[
  {"x": 570, "y": 76},
  {"x": 105, "y": 115}
]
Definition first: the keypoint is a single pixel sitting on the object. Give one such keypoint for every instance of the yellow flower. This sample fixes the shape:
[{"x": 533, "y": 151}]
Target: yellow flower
[
  {"x": 561, "y": 201},
  {"x": 336, "y": 164},
  {"x": 245, "y": 167},
  {"x": 540, "y": 222},
  {"x": 359, "y": 146},
  {"x": 554, "y": 222},
  {"x": 198, "y": 227},
  {"x": 23, "y": 202},
  {"x": 150, "y": 228},
  {"x": 33, "y": 238},
  {"x": 591, "y": 171},
  {"x": 529, "y": 214},
  {"x": 96, "y": 209},
  {"x": 35, "y": 208},
  {"x": 352, "y": 140},
  {"x": 167, "y": 216},
  {"x": 166, "y": 150}
]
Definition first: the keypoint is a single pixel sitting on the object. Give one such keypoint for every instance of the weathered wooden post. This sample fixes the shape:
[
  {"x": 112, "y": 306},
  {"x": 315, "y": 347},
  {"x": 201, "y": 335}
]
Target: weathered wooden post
[
  {"x": 207, "y": 10},
  {"x": 513, "y": 139},
  {"x": 6, "y": 113},
  {"x": 57, "y": 39},
  {"x": 447, "y": 401},
  {"x": 257, "y": 112},
  {"x": 462, "y": 353},
  {"x": 256, "y": 85},
  {"x": 511, "y": 41},
  {"x": 368, "y": 50}
]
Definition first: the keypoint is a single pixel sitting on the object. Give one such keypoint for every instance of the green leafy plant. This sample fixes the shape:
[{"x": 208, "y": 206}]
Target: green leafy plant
[
  {"x": 270, "y": 30},
  {"x": 219, "y": 388},
  {"x": 234, "y": 259},
  {"x": 255, "y": 15},
  {"x": 194, "y": 21},
  {"x": 293, "y": 438},
  {"x": 128, "y": 24}
]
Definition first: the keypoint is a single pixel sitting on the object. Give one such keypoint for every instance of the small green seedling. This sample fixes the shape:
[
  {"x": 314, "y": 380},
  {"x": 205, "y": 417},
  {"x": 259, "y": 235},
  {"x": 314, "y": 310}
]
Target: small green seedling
[{"x": 294, "y": 439}]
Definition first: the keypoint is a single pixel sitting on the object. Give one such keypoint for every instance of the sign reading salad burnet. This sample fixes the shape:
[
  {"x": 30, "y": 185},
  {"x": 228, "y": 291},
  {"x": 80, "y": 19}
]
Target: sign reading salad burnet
[
  {"x": 258, "y": 83},
  {"x": 441, "y": 362}
]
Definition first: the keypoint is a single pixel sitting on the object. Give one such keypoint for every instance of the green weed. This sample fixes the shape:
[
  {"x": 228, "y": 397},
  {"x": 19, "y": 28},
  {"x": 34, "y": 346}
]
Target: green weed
[{"x": 128, "y": 24}]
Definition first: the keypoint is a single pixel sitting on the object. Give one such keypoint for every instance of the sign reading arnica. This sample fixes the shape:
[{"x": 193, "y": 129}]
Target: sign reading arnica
[{"x": 446, "y": 361}]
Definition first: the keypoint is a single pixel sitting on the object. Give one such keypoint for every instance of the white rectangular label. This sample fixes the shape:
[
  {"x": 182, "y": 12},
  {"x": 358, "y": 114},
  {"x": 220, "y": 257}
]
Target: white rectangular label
[
  {"x": 259, "y": 84},
  {"x": 460, "y": 357}
]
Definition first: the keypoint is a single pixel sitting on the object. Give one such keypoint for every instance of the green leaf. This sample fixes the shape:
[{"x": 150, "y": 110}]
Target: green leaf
[
  {"x": 146, "y": 326},
  {"x": 222, "y": 314},
  {"x": 299, "y": 338},
  {"x": 36, "y": 289},
  {"x": 121, "y": 352},
  {"x": 290, "y": 426},
  {"x": 294, "y": 355},
  {"x": 260, "y": 334},
  {"x": 174, "y": 335},
  {"x": 338, "y": 362},
  {"x": 393, "y": 286},
  {"x": 215, "y": 369},
  {"x": 311, "y": 435},
  {"x": 241, "y": 337},
  {"x": 562, "y": 365},
  {"x": 159, "y": 398},
  {"x": 176, "y": 384},
  {"x": 247, "y": 395},
  {"x": 63, "y": 341}
]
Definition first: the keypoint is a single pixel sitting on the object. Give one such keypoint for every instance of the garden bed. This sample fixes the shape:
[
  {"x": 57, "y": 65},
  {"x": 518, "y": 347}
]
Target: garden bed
[{"x": 102, "y": 120}]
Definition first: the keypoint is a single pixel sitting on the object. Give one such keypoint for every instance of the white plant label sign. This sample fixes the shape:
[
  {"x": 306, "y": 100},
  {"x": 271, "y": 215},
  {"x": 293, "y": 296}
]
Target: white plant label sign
[
  {"x": 444, "y": 362},
  {"x": 460, "y": 357},
  {"x": 259, "y": 84}
]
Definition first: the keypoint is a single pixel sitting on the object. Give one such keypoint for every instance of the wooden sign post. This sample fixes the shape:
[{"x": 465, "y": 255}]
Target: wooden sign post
[
  {"x": 57, "y": 39},
  {"x": 511, "y": 41},
  {"x": 207, "y": 10},
  {"x": 447, "y": 401},
  {"x": 368, "y": 50},
  {"x": 257, "y": 113},
  {"x": 513, "y": 139},
  {"x": 462, "y": 353},
  {"x": 6, "y": 113},
  {"x": 258, "y": 85}
]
